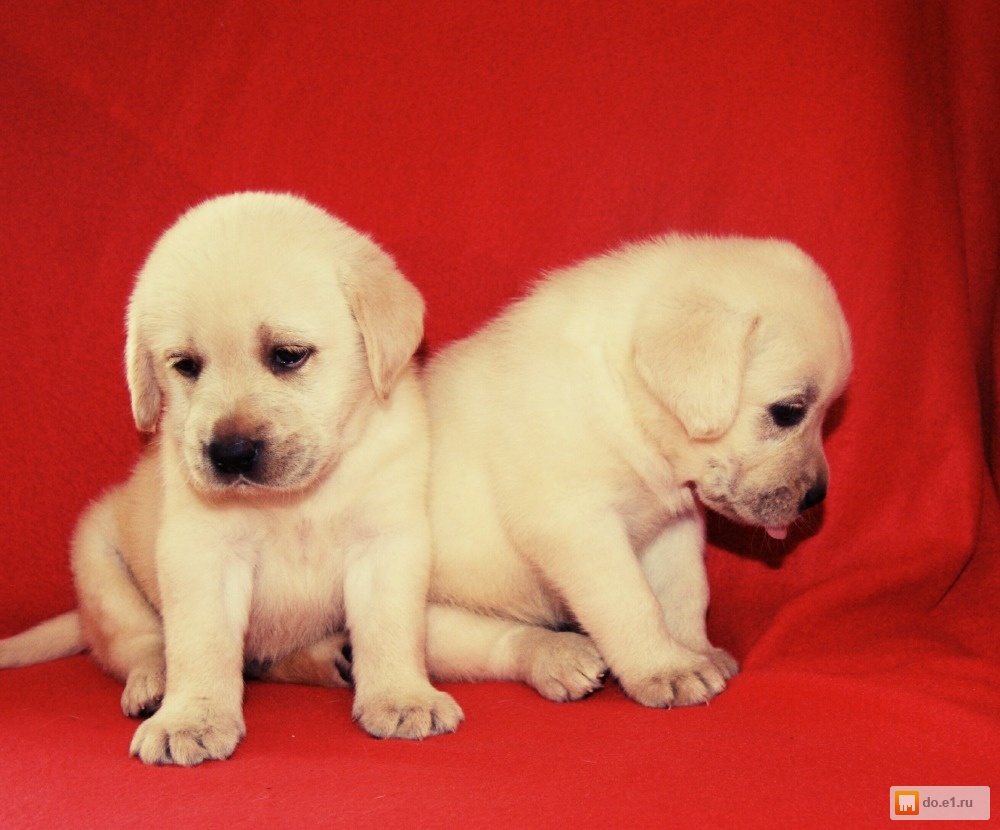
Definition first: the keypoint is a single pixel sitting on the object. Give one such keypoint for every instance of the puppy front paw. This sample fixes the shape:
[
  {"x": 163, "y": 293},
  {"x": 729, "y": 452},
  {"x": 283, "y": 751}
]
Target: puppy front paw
[
  {"x": 187, "y": 737},
  {"x": 144, "y": 691},
  {"x": 563, "y": 665},
  {"x": 415, "y": 714},
  {"x": 694, "y": 680}
]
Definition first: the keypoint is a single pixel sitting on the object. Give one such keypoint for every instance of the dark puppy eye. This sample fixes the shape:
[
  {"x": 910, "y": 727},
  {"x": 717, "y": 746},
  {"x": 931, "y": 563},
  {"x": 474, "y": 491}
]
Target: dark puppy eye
[
  {"x": 288, "y": 358},
  {"x": 186, "y": 366},
  {"x": 787, "y": 415}
]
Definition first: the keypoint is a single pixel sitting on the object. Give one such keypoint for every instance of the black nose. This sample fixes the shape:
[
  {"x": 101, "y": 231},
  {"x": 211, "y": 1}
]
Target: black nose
[
  {"x": 234, "y": 455},
  {"x": 814, "y": 495}
]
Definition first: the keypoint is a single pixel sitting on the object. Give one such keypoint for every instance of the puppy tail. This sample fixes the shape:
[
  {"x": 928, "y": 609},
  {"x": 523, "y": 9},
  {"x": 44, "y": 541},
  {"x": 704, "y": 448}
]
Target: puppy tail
[{"x": 61, "y": 636}]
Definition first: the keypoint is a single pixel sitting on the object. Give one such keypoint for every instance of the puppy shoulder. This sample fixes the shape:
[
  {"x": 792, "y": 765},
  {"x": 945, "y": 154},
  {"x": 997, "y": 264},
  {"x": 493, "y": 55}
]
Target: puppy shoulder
[{"x": 390, "y": 456}]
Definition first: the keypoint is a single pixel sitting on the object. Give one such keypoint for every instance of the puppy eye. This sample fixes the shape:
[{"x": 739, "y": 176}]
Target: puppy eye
[
  {"x": 288, "y": 358},
  {"x": 787, "y": 415},
  {"x": 186, "y": 366}
]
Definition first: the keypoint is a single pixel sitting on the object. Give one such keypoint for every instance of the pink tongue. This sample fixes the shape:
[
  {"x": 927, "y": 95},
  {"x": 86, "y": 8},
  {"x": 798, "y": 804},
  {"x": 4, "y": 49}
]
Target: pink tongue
[{"x": 777, "y": 532}]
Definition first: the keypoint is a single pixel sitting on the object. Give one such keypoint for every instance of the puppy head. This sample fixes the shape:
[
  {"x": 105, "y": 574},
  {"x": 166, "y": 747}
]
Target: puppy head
[
  {"x": 746, "y": 349},
  {"x": 258, "y": 328}
]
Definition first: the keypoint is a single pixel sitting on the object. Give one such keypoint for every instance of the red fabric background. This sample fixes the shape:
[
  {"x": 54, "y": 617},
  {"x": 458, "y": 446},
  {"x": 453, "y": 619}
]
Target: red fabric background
[{"x": 480, "y": 144}]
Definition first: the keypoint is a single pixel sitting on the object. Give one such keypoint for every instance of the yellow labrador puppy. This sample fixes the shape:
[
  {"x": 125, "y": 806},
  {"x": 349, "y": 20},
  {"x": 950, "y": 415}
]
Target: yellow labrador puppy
[
  {"x": 282, "y": 496},
  {"x": 576, "y": 437}
]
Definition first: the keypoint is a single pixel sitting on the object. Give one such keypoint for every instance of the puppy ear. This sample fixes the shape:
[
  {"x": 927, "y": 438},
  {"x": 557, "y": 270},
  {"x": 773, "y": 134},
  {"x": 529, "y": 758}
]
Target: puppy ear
[
  {"x": 692, "y": 356},
  {"x": 142, "y": 385},
  {"x": 390, "y": 313}
]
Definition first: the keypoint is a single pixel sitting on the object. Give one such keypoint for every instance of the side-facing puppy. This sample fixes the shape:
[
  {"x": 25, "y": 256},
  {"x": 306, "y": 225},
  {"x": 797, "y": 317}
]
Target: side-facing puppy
[
  {"x": 282, "y": 495},
  {"x": 574, "y": 438}
]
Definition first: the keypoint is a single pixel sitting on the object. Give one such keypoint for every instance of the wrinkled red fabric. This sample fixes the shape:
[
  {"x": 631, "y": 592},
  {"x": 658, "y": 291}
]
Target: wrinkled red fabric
[{"x": 482, "y": 144}]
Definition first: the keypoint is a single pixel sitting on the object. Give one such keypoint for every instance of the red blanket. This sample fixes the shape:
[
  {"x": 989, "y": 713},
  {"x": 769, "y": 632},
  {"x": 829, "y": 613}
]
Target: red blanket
[{"x": 481, "y": 143}]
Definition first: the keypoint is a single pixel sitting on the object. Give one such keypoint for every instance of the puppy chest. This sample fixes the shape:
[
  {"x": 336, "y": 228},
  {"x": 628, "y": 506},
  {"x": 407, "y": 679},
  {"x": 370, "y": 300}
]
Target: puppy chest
[{"x": 297, "y": 591}]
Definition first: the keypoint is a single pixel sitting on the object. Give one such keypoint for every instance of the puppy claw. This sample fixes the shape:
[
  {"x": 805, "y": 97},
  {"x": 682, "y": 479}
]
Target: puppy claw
[
  {"x": 343, "y": 663},
  {"x": 411, "y": 716},
  {"x": 186, "y": 740}
]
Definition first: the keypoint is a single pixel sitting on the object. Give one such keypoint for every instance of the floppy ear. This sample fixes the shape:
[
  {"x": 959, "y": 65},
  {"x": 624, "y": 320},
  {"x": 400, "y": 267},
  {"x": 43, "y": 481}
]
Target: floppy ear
[
  {"x": 390, "y": 313},
  {"x": 139, "y": 373},
  {"x": 692, "y": 356}
]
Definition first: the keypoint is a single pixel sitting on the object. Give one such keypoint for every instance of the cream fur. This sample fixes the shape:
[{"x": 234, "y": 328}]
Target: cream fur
[
  {"x": 577, "y": 437},
  {"x": 190, "y": 571}
]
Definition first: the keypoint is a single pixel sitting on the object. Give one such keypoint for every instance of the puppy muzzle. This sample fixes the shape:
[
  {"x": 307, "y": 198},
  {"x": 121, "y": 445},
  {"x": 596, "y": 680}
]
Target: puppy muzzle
[{"x": 813, "y": 496}]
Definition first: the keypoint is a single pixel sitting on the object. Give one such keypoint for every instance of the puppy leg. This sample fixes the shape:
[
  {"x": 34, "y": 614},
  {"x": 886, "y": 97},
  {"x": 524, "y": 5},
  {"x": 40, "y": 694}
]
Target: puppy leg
[
  {"x": 593, "y": 566},
  {"x": 121, "y": 628},
  {"x": 674, "y": 564},
  {"x": 385, "y": 593},
  {"x": 206, "y": 592},
  {"x": 463, "y": 645}
]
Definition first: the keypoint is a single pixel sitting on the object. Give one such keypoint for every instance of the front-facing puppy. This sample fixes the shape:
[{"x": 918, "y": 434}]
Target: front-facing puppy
[
  {"x": 575, "y": 439},
  {"x": 282, "y": 496}
]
